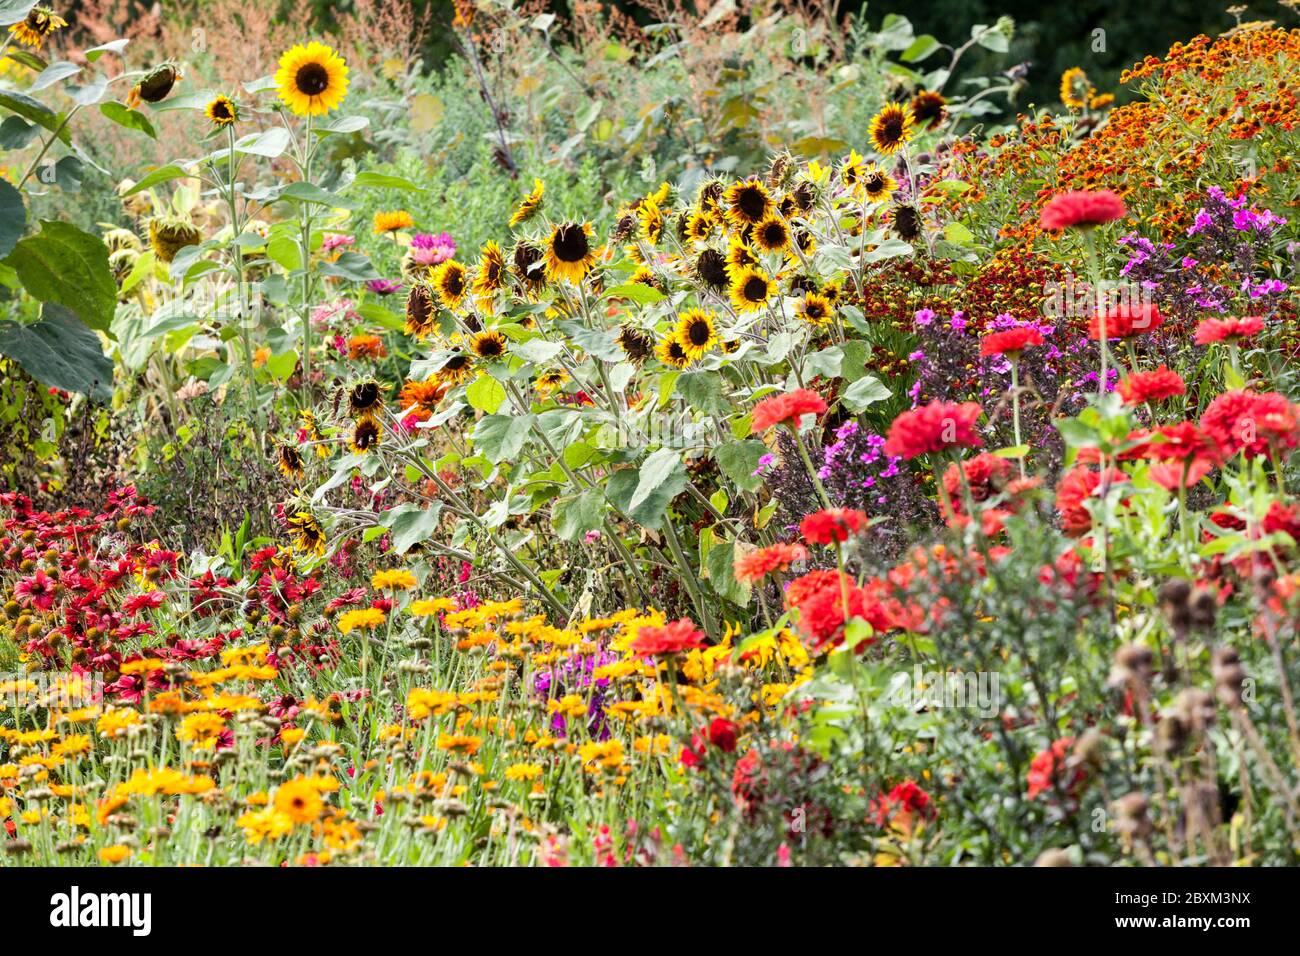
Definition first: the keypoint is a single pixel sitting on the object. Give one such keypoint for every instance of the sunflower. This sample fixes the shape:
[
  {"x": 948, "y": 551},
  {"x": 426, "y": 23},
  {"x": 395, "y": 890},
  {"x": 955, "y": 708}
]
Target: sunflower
[
  {"x": 311, "y": 432},
  {"x": 635, "y": 343},
  {"x": 890, "y": 129},
  {"x": 772, "y": 235},
  {"x": 803, "y": 196},
  {"x": 456, "y": 369},
  {"x": 711, "y": 269},
  {"x": 448, "y": 279},
  {"x": 568, "y": 252},
  {"x": 306, "y": 532},
  {"x": 222, "y": 111},
  {"x": 550, "y": 382},
  {"x": 312, "y": 79},
  {"x": 696, "y": 332},
  {"x": 747, "y": 202},
  {"x": 1075, "y": 88},
  {"x": 671, "y": 351},
  {"x": 815, "y": 309},
  {"x": 529, "y": 206},
  {"x": 419, "y": 311},
  {"x": 155, "y": 85},
  {"x": 169, "y": 235},
  {"x": 832, "y": 291},
  {"x": 929, "y": 109},
  {"x": 490, "y": 277},
  {"x": 527, "y": 265},
  {"x": 852, "y": 170},
  {"x": 489, "y": 345},
  {"x": 750, "y": 289},
  {"x": 906, "y": 220},
  {"x": 644, "y": 275},
  {"x": 394, "y": 221},
  {"x": 651, "y": 220},
  {"x": 365, "y": 399},
  {"x": 877, "y": 184},
  {"x": 288, "y": 460},
  {"x": 366, "y": 434},
  {"x": 699, "y": 225},
  {"x": 805, "y": 242},
  {"x": 39, "y": 23}
]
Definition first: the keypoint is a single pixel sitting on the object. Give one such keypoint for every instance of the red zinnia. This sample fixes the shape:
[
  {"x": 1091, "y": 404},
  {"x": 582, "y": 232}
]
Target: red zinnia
[
  {"x": 1151, "y": 386},
  {"x": 1124, "y": 321},
  {"x": 1256, "y": 424},
  {"x": 680, "y": 635},
  {"x": 1081, "y": 208},
  {"x": 756, "y": 565},
  {"x": 1049, "y": 765},
  {"x": 1077, "y": 486},
  {"x": 902, "y": 805},
  {"x": 722, "y": 734},
  {"x": 1011, "y": 342},
  {"x": 986, "y": 474},
  {"x": 933, "y": 427},
  {"x": 1228, "y": 330},
  {"x": 832, "y": 525},
  {"x": 788, "y": 408}
]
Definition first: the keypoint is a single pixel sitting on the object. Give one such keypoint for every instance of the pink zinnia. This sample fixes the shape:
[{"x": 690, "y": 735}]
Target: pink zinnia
[
  {"x": 1081, "y": 208},
  {"x": 1228, "y": 330}
]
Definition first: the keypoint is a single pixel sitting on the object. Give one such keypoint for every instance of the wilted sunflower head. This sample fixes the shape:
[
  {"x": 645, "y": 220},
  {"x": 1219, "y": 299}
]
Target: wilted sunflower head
[
  {"x": 697, "y": 332},
  {"x": 711, "y": 268},
  {"x": 529, "y": 205},
  {"x": 366, "y": 434},
  {"x": 780, "y": 169},
  {"x": 39, "y": 23},
  {"x": 456, "y": 369},
  {"x": 672, "y": 352},
  {"x": 527, "y": 260},
  {"x": 746, "y": 202},
  {"x": 489, "y": 345},
  {"x": 288, "y": 460},
  {"x": 448, "y": 279},
  {"x": 117, "y": 239},
  {"x": 906, "y": 220},
  {"x": 751, "y": 289},
  {"x": 772, "y": 235},
  {"x": 491, "y": 275},
  {"x": 804, "y": 195},
  {"x": 890, "y": 129},
  {"x": 815, "y": 309},
  {"x": 312, "y": 79},
  {"x": 929, "y": 109},
  {"x": 155, "y": 85},
  {"x": 306, "y": 532},
  {"x": 222, "y": 111},
  {"x": 168, "y": 235},
  {"x": 365, "y": 398},
  {"x": 419, "y": 311},
  {"x": 709, "y": 196},
  {"x": 569, "y": 253},
  {"x": 121, "y": 262},
  {"x": 637, "y": 344}
]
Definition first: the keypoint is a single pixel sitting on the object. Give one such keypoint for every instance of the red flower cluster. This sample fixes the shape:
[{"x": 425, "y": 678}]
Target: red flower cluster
[
  {"x": 1252, "y": 423},
  {"x": 680, "y": 635},
  {"x": 934, "y": 427},
  {"x": 903, "y": 806},
  {"x": 1228, "y": 330},
  {"x": 757, "y": 565},
  {"x": 832, "y": 525},
  {"x": 822, "y": 597},
  {"x": 787, "y": 409},
  {"x": 1141, "y": 387},
  {"x": 1076, "y": 487},
  {"x": 1081, "y": 208},
  {"x": 721, "y": 733},
  {"x": 1125, "y": 321},
  {"x": 1011, "y": 342},
  {"x": 986, "y": 474},
  {"x": 1049, "y": 767}
]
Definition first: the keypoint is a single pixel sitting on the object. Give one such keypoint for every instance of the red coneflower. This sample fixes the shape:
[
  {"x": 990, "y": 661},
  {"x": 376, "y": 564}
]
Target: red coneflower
[
  {"x": 832, "y": 525},
  {"x": 1125, "y": 321},
  {"x": 1011, "y": 342}
]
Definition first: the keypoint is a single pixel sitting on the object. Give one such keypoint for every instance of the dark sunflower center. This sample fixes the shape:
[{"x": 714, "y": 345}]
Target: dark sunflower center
[
  {"x": 892, "y": 128},
  {"x": 712, "y": 268},
  {"x": 755, "y": 289},
  {"x": 366, "y": 434},
  {"x": 312, "y": 79},
  {"x": 418, "y": 306},
  {"x": 751, "y": 202},
  {"x": 221, "y": 110},
  {"x": 699, "y": 333},
  {"x": 774, "y": 234},
  {"x": 489, "y": 348},
  {"x": 570, "y": 243},
  {"x": 875, "y": 183},
  {"x": 814, "y": 310},
  {"x": 457, "y": 362},
  {"x": 365, "y": 395},
  {"x": 453, "y": 282}
]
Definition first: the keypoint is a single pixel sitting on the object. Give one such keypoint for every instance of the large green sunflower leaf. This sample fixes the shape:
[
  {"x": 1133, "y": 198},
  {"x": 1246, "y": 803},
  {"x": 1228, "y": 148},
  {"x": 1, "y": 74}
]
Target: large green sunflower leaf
[
  {"x": 59, "y": 351},
  {"x": 63, "y": 264}
]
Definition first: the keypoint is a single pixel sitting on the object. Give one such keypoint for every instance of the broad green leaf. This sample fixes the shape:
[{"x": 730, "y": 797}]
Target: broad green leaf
[
  {"x": 56, "y": 71},
  {"x": 658, "y": 467},
  {"x": 865, "y": 391},
  {"x": 160, "y": 175},
  {"x": 385, "y": 181},
  {"x": 486, "y": 394},
  {"x": 269, "y": 143},
  {"x": 131, "y": 119},
  {"x": 65, "y": 265},
  {"x": 59, "y": 351},
  {"x": 411, "y": 524},
  {"x": 36, "y": 111},
  {"x": 637, "y": 292},
  {"x": 11, "y": 11},
  {"x": 13, "y": 217},
  {"x": 501, "y": 437},
  {"x": 574, "y": 517},
  {"x": 738, "y": 461}
]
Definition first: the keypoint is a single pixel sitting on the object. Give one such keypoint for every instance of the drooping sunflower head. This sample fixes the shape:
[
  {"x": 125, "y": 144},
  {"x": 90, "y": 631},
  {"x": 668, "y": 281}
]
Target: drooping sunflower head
[
  {"x": 746, "y": 202},
  {"x": 803, "y": 195},
  {"x": 491, "y": 275},
  {"x": 456, "y": 369},
  {"x": 929, "y": 109},
  {"x": 709, "y": 196},
  {"x": 528, "y": 265},
  {"x": 118, "y": 239},
  {"x": 310, "y": 431},
  {"x": 569, "y": 253},
  {"x": 805, "y": 242},
  {"x": 121, "y": 262},
  {"x": 365, "y": 399},
  {"x": 906, "y": 220},
  {"x": 155, "y": 85},
  {"x": 39, "y": 23},
  {"x": 306, "y": 532},
  {"x": 528, "y": 207},
  {"x": 751, "y": 289},
  {"x": 392, "y": 221},
  {"x": 697, "y": 332},
  {"x": 877, "y": 185},
  {"x": 815, "y": 309},
  {"x": 448, "y": 280},
  {"x": 651, "y": 221},
  {"x": 366, "y": 434},
  {"x": 288, "y": 460},
  {"x": 636, "y": 344},
  {"x": 550, "y": 382},
  {"x": 420, "y": 314},
  {"x": 489, "y": 345},
  {"x": 312, "y": 79},
  {"x": 772, "y": 235},
  {"x": 891, "y": 128},
  {"x": 672, "y": 352},
  {"x": 222, "y": 111},
  {"x": 711, "y": 269},
  {"x": 168, "y": 235}
]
